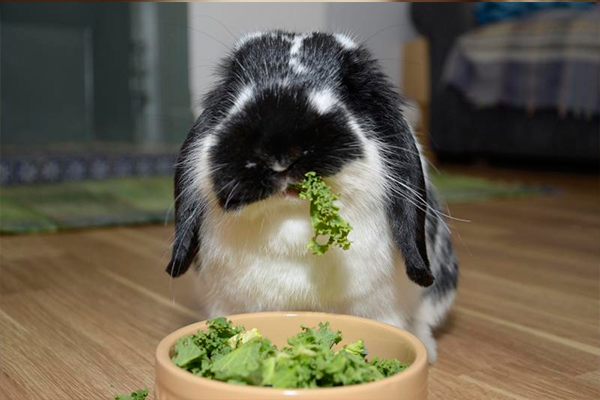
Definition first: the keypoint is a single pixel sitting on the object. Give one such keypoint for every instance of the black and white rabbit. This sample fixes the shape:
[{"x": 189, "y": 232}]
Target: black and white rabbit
[{"x": 287, "y": 104}]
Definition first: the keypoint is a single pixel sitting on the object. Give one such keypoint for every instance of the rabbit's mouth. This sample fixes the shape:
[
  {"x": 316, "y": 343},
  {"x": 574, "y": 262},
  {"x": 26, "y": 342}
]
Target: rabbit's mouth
[
  {"x": 289, "y": 187},
  {"x": 291, "y": 191}
]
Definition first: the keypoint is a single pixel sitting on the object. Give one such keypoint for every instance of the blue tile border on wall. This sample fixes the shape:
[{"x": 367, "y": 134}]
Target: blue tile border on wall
[{"x": 51, "y": 169}]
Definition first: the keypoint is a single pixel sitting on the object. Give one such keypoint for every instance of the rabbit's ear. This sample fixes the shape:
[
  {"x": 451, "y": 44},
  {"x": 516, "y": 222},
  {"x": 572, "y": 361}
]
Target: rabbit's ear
[
  {"x": 189, "y": 210},
  {"x": 407, "y": 208},
  {"x": 367, "y": 89}
]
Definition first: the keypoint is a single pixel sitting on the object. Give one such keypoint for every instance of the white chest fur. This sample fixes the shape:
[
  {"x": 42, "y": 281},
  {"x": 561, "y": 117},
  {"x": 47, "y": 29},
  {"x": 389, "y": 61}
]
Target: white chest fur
[{"x": 257, "y": 259}]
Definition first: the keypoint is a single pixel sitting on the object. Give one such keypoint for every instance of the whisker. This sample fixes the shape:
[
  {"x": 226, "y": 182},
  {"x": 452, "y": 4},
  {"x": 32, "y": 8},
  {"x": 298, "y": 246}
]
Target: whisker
[
  {"x": 418, "y": 202},
  {"x": 382, "y": 30},
  {"x": 218, "y": 22},
  {"x": 196, "y": 30},
  {"x": 231, "y": 195}
]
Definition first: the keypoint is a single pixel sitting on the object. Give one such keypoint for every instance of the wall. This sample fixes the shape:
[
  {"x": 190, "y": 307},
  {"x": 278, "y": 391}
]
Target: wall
[{"x": 383, "y": 27}]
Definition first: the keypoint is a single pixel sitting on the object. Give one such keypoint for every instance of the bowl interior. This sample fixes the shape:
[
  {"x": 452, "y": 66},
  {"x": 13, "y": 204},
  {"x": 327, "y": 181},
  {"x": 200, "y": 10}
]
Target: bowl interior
[{"x": 380, "y": 340}]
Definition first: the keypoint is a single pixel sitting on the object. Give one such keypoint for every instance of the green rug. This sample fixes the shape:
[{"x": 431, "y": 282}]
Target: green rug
[{"x": 129, "y": 201}]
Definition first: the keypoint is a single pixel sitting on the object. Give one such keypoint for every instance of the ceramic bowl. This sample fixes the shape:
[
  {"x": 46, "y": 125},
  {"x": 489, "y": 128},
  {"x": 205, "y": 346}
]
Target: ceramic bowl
[{"x": 381, "y": 340}]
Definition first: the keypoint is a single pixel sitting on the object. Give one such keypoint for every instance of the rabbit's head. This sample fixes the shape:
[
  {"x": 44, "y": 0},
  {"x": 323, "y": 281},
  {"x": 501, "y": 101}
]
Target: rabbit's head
[{"x": 287, "y": 104}]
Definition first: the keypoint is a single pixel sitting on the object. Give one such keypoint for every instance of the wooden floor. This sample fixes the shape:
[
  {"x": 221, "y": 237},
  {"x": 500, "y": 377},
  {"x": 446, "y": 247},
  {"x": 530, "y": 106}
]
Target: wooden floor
[{"x": 81, "y": 313}]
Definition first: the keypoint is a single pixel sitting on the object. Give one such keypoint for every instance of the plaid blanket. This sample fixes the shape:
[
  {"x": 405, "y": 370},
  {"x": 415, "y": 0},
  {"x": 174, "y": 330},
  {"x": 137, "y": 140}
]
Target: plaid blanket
[{"x": 548, "y": 60}]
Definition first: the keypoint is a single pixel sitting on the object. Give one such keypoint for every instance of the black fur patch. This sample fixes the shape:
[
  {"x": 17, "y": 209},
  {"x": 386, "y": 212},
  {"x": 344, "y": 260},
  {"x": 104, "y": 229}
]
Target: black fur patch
[{"x": 279, "y": 127}]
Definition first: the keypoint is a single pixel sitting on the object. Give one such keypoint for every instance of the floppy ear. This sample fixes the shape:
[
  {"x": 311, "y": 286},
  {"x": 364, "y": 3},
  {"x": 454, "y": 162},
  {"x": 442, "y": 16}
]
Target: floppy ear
[
  {"x": 407, "y": 210},
  {"x": 188, "y": 214},
  {"x": 368, "y": 89}
]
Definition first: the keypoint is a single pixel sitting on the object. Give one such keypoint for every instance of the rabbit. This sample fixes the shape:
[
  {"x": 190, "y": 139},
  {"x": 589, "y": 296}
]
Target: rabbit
[{"x": 286, "y": 104}]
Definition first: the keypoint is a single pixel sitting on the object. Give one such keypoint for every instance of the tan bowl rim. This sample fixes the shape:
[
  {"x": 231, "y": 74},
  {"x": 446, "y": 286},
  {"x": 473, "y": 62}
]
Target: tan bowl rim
[{"x": 162, "y": 358}]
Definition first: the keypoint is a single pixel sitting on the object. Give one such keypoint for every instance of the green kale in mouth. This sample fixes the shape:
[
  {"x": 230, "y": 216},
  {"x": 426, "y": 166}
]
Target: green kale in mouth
[{"x": 324, "y": 214}]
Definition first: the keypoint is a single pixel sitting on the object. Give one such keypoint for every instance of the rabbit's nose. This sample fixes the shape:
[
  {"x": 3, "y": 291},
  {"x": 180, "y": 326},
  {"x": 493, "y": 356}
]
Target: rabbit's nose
[
  {"x": 279, "y": 166},
  {"x": 283, "y": 163}
]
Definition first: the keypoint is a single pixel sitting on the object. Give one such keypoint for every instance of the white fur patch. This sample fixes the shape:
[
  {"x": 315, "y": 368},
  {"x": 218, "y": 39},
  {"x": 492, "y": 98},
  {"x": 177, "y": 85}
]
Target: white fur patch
[
  {"x": 244, "y": 97},
  {"x": 323, "y": 100},
  {"x": 294, "y": 63},
  {"x": 296, "y": 66},
  {"x": 201, "y": 167},
  {"x": 247, "y": 38},
  {"x": 345, "y": 41},
  {"x": 433, "y": 311},
  {"x": 297, "y": 44},
  {"x": 370, "y": 146},
  {"x": 277, "y": 167}
]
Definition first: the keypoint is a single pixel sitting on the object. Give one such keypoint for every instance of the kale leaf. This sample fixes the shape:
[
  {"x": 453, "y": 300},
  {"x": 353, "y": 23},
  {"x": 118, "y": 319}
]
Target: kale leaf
[
  {"x": 324, "y": 214},
  {"x": 240, "y": 357},
  {"x": 137, "y": 395}
]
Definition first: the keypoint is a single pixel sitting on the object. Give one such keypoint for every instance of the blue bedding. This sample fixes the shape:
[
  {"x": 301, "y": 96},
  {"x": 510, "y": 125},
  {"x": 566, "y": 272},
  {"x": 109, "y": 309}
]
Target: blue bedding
[{"x": 488, "y": 12}]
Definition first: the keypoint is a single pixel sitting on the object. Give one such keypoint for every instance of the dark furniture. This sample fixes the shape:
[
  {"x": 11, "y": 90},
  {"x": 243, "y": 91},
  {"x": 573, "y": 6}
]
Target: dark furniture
[{"x": 461, "y": 131}]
